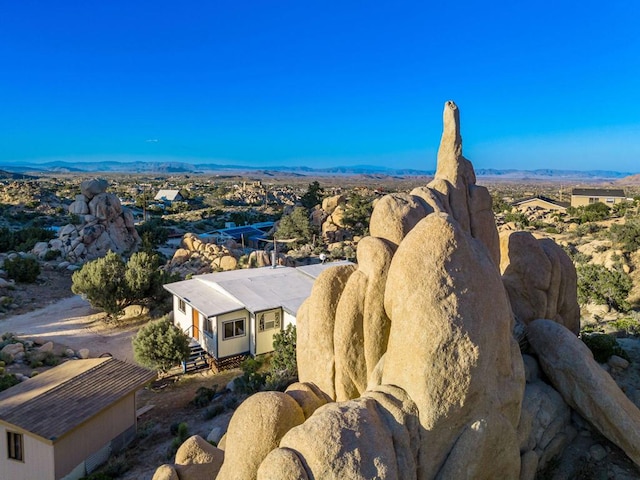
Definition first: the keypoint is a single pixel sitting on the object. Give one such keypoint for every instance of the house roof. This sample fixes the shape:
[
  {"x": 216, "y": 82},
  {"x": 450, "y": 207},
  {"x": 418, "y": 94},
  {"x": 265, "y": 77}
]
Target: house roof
[
  {"x": 542, "y": 198},
  {"x": 169, "y": 195},
  {"x": 61, "y": 399},
  {"x": 255, "y": 289},
  {"x": 203, "y": 297},
  {"x": 598, "y": 192}
]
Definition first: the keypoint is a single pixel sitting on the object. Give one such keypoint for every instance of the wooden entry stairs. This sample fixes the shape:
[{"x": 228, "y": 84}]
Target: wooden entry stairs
[{"x": 198, "y": 358}]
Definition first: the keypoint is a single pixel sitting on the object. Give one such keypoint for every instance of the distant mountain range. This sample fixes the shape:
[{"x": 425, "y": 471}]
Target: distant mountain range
[{"x": 299, "y": 171}]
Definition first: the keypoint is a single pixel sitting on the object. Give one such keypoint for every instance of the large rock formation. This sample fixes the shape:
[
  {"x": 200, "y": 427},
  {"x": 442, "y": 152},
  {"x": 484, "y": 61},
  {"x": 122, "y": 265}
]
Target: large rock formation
[
  {"x": 103, "y": 225},
  {"x": 415, "y": 346}
]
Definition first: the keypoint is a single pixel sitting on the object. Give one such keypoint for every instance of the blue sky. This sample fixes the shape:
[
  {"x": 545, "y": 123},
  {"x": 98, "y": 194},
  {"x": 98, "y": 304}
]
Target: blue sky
[{"x": 545, "y": 84}]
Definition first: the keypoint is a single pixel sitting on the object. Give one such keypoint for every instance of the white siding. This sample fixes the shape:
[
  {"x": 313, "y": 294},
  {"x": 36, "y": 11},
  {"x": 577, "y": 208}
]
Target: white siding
[
  {"x": 180, "y": 319},
  {"x": 288, "y": 319},
  {"x": 38, "y": 459},
  {"x": 233, "y": 346}
]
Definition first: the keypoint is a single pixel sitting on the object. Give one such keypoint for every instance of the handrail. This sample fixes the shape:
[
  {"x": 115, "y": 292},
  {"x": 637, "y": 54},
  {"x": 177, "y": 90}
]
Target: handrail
[{"x": 190, "y": 327}]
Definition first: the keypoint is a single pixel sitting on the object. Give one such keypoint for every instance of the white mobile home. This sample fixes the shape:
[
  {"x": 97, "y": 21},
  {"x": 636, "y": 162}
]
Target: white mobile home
[{"x": 239, "y": 311}]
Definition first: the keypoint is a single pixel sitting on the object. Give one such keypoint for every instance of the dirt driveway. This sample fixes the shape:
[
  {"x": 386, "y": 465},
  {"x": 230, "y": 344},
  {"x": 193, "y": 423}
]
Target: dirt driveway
[{"x": 73, "y": 323}]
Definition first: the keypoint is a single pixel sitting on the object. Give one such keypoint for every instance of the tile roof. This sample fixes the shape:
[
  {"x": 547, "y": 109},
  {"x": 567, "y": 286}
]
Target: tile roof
[{"x": 61, "y": 399}]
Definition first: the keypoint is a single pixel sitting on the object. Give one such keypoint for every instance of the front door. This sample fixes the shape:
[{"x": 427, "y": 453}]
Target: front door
[{"x": 195, "y": 328}]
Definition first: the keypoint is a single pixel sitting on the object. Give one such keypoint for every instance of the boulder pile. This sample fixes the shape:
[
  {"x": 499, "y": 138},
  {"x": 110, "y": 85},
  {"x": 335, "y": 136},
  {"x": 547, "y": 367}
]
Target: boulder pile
[
  {"x": 425, "y": 360},
  {"x": 103, "y": 225},
  {"x": 199, "y": 256}
]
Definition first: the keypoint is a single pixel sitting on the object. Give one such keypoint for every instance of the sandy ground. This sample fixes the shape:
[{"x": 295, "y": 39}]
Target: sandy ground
[{"x": 73, "y": 323}]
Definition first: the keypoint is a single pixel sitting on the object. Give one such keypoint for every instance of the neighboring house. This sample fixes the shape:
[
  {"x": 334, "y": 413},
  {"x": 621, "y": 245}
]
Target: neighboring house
[
  {"x": 239, "y": 311},
  {"x": 249, "y": 235},
  {"x": 168, "y": 196},
  {"x": 540, "y": 201},
  {"x": 585, "y": 196},
  {"x": 66, "y": 421}
]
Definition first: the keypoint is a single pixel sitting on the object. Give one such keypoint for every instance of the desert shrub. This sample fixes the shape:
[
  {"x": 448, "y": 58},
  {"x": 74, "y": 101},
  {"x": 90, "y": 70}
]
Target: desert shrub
[
  {"x": 499, "y": 205},
  {"x": 38, "y": 359},
  {"x": 600, "y": 285},
  {"x": 7, "y": 338},
  {"x": 627, "y": 235},
  {"x": 519, "y": 218},
  {"x": 283, "y": 369},
  {"x": 357, "y": 214},
  {"x": 593, "y": 212},
  {"x": 112, "y": 285},
  {"x": 603, "y": 346},
  {"x": 629, "y": 326},
  {"x": 313, "y": 196},
  {"x": 296, "y": 226},
  {"x": 8, "y": 381},
  {"x": 146, "y": 429},
  {"x": 51, "y": 255},
  {"x": 160, "y": 345},
  {"x": 621, "y": 209},
  {"x": 23, "y": 240},
  {"x": 152, "y": 233},
  {"x": 204, "y": 395},
  {"x": 24, "y": 270},
  {"x": 116, "y": 466},
  {"x": 181, "y": 434},
  {"x": 251, "y": 380},
  {"x": 213, "y": 412}
]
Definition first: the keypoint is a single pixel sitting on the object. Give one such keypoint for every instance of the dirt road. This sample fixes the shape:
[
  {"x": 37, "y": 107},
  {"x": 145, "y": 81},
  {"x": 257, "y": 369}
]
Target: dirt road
[{"x": 73, "y": 323}]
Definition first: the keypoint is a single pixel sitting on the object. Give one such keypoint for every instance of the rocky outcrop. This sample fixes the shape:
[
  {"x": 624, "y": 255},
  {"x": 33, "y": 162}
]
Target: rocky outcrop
[
  {"x": 585, "y": 386},
  {"x": 540, "y": 279},
  {"x": 249, "y": 440},
  {"x": 415, "y": 345},
  {"x": 103, "y": 225}
]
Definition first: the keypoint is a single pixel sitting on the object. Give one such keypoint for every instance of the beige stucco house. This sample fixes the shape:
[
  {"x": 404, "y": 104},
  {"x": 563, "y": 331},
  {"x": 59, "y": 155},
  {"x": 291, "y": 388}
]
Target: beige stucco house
[
  {"x": 585, "y": 196},
  {"x": 63, "y": 423},
  {"x": 239, "y": 311}
]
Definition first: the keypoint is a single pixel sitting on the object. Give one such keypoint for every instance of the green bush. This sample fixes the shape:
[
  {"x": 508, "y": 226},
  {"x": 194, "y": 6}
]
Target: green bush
[
  {"x": 629, "y": 326},
  {"x": 313, "y": 196},
  {"x": 160, "y": 345},
  {"x": 51, "y": 255},
  {"x": 627, "y": 235},
  {"x": 603, "y": 346},
  {"x": 519, "y": 218},
  {"x": 593, "y": 212},
  {"x": 181, "y": 434},
  {"x": 251, "y": 380},
  {"x": 204, "y": 395},
  {"x": 112, "y": 285},
  {"x": 600, "y": 285},
  {"x": 23, "y": 270},
  {"x": 283, "y": 369},
  {"x": 213, "y": 412},
  {"x": 296, "y": 226},
  {"x": 152, "y": 233},
  {"x": 23, "y": 240},
  {"x": 357, "y": 214},
  {"x": 38, "y": 359},
  {"x": 8, "y": 381}
]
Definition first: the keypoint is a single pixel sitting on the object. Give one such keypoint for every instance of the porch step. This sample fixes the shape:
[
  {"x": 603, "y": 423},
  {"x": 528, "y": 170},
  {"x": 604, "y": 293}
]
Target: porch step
[{"x": 198, "y": 358}]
